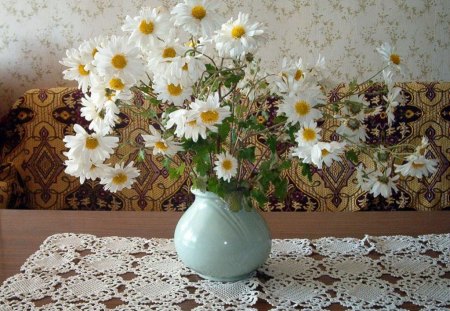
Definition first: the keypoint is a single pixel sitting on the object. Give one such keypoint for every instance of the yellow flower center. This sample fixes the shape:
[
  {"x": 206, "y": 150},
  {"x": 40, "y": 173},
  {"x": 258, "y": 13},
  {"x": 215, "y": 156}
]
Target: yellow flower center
[
  {"x": 198, "y": 12},
  {"x": 302, "y": 108},
  {"x": 237, "y": 31},
  {"x": 417, "y": 165},
  {"x": 192, "y": 123},
  {"x": 210, "y": 116},
  {"x": 116, "y": 84},
  {"x": 325, "y": 152},
  {"x": 119, "y": 61},
  {"x": 94, "y": 51},
  {"x": 298, "y": 75},
  {"x": 120, "y": 179},
  {"x": 395, "y": 58},
  {"x": 309, "y": 134},
  {"x": 185, "y": 67},
  {"x": 174, "y": 90},
  {"x": 91, "y": 143},
  {"x": 161, "y": 145},
  {"x": 82, "y": 71},
  {"x": 169, "y": 53},
  {"x": 227, "y": 165},
  {"x": 146, "y": 28}
]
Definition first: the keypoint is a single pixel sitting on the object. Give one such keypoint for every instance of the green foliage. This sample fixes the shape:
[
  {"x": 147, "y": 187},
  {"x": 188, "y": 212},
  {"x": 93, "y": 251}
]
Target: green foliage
[
  {"x": 272, "y": 143},
  {"x": 247, "y": 154},
  {"x": 259, "y": 196},
  {"x": 306, "y": 171},
  {"x": 224, "y": 130},
  {"x": 281, "y": 186},
  {"x": 140, "y": 156},
  {"x": 176, "y": 172},
  {"x": 352, "y": 155}
]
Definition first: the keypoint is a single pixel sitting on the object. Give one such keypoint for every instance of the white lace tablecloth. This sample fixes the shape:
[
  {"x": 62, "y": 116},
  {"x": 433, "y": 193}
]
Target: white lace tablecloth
[{"x": 85, "y": 272}]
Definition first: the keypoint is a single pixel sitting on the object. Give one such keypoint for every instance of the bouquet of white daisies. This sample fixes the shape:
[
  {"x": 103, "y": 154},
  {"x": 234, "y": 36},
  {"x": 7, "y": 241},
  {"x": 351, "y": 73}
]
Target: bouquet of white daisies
[{"x": 209, "y": 102}]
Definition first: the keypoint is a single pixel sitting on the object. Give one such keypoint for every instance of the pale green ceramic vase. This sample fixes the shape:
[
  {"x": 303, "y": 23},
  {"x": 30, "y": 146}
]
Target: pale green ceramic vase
[{"x": 218, "y": 243}]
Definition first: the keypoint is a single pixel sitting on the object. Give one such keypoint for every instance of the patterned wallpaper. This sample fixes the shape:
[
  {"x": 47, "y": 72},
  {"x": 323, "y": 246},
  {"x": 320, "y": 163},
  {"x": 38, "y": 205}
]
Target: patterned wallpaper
[{"x": 34, "y": 35}]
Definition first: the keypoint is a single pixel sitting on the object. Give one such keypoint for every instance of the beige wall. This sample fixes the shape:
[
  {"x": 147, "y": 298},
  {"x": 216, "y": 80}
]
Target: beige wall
[{"x": 34, "y": 35}]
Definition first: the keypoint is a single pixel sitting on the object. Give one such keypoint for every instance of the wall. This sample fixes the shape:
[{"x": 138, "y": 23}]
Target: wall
[{"x": 34, "y": 35}]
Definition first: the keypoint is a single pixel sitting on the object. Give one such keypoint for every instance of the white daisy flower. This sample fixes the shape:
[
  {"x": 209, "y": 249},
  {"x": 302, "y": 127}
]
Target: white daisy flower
[
  {"x": 209, "y": 113},
  {"x": 78, "y": 63},
  {"x": 300, "y": 108},
  {"x": 119, "y": 177},
  {"x": 198, "y": 17},
  {"x": 101, "y": 91},
  {"x": 309, "y": 134},
  {"x": 383, "y": 184},
  {"x": 238, "y": 37},
  {"x": 185, "y": 70},
  {"x": 101, "y": 119},
  {"x": 363, "y": 179},
  {"x": 417, "y": 166},
  {"x": 388, "y": 78},
  {"x": 165, "y": 146},
  {"x": 84, "y": 170},
  {"x": 225, "y": 166},
  {"x": 420, "y": 150},
  {"x": 163, "y": 53},
  {"x": 186, "y": 125},
  {"x": 391, "y": 57},
  {"x": 148, "y": 26},
  {"x": 353, "y": 129},
  {"x": 177, "y": 118},
  {"x": 173, "y": 93},
  {"x": 295, "y": 69},
  {"x": 326, "y": 153},
  {"x": 303, "y": 152},
  {"x": 319, "y": 73},
  {"x": 120, "y": 59},
  {"x": 94, "y": 147},
  {"x": 354, "y": 107},
  {"x": 194, "y": 129},
  {"x": 92, "y": 45},
  {"x": 392, "y": 100}
]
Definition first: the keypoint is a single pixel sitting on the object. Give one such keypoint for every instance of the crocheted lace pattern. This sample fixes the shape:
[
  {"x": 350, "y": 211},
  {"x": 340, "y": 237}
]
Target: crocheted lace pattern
[{"x": 85, "y": 272}]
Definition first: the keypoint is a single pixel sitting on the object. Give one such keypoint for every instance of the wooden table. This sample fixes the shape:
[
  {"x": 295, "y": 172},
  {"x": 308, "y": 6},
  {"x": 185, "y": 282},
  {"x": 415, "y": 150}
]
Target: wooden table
[{"x": 21, "y": 232}]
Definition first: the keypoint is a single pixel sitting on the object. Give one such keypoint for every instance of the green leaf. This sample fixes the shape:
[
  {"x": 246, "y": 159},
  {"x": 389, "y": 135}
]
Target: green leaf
[
  {"x": 281, "y": 186},
  {"x": 155, "y": 101},
  {"x": 202, "y": 162},
  {"x": 210, "y": 68},
  {"x": 166, "y": 163},
  {"x": 259, "y": 196},
  {"x": 272, "y": 143},
  {"x": 140, "y": 156},
  {"x": 148, "y": 113},
  {"x": 247, "y": 153},
  {"x": 224, "y": 130},
  {"x": 353, "y": 85},
  {"x": 213, "y": 185},
  {"x": 306, "y": 171},
  {"x": 285, "y": 165},
  {"x": 231, "y": 80},
  {"x": 352, "y": 156}
]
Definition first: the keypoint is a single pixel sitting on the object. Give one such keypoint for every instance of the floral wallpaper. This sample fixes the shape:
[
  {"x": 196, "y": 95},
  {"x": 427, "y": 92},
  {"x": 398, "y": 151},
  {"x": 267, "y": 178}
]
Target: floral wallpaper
[{"x": 34, "y": 35}]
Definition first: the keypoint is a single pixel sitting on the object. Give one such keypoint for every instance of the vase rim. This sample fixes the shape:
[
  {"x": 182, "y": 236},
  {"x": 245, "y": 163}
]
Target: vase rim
[{"x": 201, "y": 193}]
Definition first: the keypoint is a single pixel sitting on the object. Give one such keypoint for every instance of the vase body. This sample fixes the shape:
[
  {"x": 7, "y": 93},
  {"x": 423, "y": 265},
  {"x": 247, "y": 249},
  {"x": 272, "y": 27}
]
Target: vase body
[{"x": 218, "y": 243}]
